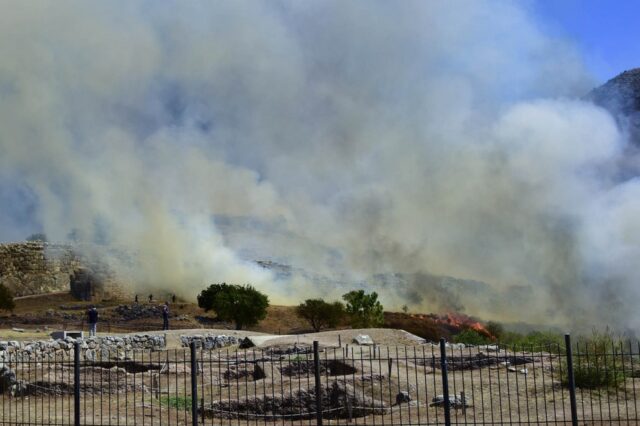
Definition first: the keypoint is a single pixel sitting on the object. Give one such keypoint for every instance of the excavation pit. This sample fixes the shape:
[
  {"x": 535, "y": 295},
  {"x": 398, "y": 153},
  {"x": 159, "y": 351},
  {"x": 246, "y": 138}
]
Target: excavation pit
[
  {"x": 475, "y": 362},
  {"x": 129, "y": 366},
  {"x": 332, "y": 367}
]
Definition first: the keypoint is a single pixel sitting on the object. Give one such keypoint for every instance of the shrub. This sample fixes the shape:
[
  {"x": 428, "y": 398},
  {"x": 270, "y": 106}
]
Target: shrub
[
  {"x": 364, "y": 309},
  {"x": 243, "y": 305},
  {"x": 595, "y": 362},
  {"x": 320, "y": 313},
  {"x": 6, "y": 299},
  {"x": 471, "y": 337},
  {"x": 535, "y": 340},
  {"x": 177, "y": 402}
]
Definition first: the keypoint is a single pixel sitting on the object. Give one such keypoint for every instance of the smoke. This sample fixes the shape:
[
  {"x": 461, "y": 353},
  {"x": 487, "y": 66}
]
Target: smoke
[{"x": 357, "y": 139}]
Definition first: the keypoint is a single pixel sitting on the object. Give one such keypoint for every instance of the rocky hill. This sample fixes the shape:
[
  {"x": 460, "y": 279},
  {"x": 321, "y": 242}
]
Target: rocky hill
[{"x": 621, "y": 96}]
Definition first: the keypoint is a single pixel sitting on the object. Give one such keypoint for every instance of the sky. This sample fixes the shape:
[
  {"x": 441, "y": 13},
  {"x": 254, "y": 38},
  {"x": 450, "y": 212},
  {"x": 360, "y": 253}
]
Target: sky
[{"x": 605, "y": 31}]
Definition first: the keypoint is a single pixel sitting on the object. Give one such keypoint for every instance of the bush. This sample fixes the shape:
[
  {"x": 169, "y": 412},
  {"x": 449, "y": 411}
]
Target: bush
[
  {"x": 535, "y": 340},
  {"x": 320, "y": 313},
  {"x": 243, "y": 305},
  {"x": 364, "y": 309},
  {"x": 595, "y": 364},
  {"x": 177, "y": 402},
  {"x": 6, "y": 299},
  {"x": 471, "y": 337}
]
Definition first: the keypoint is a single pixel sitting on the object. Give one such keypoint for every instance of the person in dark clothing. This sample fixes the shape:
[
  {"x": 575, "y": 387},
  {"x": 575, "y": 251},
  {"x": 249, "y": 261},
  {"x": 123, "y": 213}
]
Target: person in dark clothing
[
  {"x": 173, "y": 298},
  {"x": 150, "y": 298},
  {"x": 165, "y": 316},
  {"x": 136, "y": 299},
  {"x": 92, "y": 316}
]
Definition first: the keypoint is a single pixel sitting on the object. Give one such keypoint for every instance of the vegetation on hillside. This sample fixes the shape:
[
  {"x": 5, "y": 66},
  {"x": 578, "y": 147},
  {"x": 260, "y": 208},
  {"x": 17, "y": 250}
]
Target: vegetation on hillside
[{"x": 471, "y": 337}]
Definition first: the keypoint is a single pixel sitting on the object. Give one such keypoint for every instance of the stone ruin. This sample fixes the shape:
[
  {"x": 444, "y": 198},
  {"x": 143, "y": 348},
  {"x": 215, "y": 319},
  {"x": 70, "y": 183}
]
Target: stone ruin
[
  {"x": 339, "y": 401},
  {"x": 36, "y": 267}
]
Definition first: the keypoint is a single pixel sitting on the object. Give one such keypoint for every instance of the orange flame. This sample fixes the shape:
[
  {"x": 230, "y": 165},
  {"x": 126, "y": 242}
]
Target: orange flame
[{"x": 462, "y": 321}]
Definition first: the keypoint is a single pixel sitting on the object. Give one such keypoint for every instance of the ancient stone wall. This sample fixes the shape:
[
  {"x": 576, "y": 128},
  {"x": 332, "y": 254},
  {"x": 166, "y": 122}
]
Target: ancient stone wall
[
  {"x": 36, "y": 267},
  {"x": 108, "y": 347},
  {"x": 29, "y": 268}
]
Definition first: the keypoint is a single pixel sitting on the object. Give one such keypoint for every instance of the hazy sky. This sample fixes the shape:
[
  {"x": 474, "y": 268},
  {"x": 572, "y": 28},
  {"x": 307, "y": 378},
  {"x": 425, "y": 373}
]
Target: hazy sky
[{"x": 606, "y": 31}]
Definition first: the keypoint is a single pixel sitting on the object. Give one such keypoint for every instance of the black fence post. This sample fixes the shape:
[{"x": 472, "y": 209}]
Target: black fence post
[
  {"x": 194, "y": 385},
  {"x": 445, "y": 382},
  {"x": 572, "y": 382},
  {"x": 316, "y": 370},
  {"x": 76, "y": 383}
]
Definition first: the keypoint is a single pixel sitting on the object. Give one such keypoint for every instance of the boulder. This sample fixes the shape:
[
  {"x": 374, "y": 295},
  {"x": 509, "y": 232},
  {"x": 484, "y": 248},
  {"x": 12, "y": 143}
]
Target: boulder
[
  {"x": 455, "y": 401},
  {"x": 363, "y": 339},
  {"x": 7, "y": 379},
  {"x": 403, "y": 397}
]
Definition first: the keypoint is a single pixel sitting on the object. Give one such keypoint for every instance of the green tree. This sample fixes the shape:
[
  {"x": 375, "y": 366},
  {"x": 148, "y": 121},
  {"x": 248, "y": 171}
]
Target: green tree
[
  {"x": 320, "y": 313},
  {"x": 244, "y": 305},
  {"x": 364, "y": 309},
  {"x": 6, "y": 298}
]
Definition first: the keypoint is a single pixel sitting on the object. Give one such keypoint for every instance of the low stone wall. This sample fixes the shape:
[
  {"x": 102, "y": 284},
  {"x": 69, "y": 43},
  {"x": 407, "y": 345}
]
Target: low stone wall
[
  {"x": 109, "y": 347},
  {"x": 209, "y": 341}
]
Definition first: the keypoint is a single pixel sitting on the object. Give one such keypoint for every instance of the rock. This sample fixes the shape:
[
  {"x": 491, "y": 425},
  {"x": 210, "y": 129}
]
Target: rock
[
  {"x": 456, "y": 346},
  {"x": 403, "y": 397},
  {"x": 455, "y": 401},
  {"x": 363, "y": 339},
  {"x": 90, "y": 355},
  {"x": 246, "y": 343},
  {"x": 209, "y": 341},
  {"x": 7, "y": 379},
  {"x": 490, "y": 348}
]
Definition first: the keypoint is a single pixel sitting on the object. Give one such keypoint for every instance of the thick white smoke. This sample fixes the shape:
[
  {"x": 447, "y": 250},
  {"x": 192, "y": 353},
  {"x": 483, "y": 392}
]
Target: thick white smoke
[{"x": 359, "y": 138}]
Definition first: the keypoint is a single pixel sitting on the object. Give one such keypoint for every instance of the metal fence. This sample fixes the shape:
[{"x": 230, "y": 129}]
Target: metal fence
[{"x": 349, "y": 385}]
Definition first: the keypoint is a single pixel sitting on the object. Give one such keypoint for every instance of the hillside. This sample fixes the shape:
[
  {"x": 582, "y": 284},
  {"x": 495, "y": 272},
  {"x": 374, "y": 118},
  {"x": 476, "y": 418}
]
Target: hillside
[
  {"x": 621, "y": 97},
  {"x": 62, "y": 311}
]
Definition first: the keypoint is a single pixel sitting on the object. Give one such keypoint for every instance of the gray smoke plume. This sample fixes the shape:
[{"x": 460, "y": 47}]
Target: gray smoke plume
[{"x": 356, "y": 139}]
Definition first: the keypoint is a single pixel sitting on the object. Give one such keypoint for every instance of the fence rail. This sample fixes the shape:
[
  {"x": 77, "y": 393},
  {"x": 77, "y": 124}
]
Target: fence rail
[{"x": 350, "y": 385}]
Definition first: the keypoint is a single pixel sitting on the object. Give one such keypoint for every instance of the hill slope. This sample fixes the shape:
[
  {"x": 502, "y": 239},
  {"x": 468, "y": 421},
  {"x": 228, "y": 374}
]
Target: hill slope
[{"x": 621, "y": 97}]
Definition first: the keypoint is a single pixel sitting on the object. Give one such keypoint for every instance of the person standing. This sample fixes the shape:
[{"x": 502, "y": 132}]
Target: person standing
[
  {"x": 165, "y": 316},
  {"x": 136, "y": 300},
  {"x": 150, "y": 298},
  {"x": 92, "y": 316}
]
